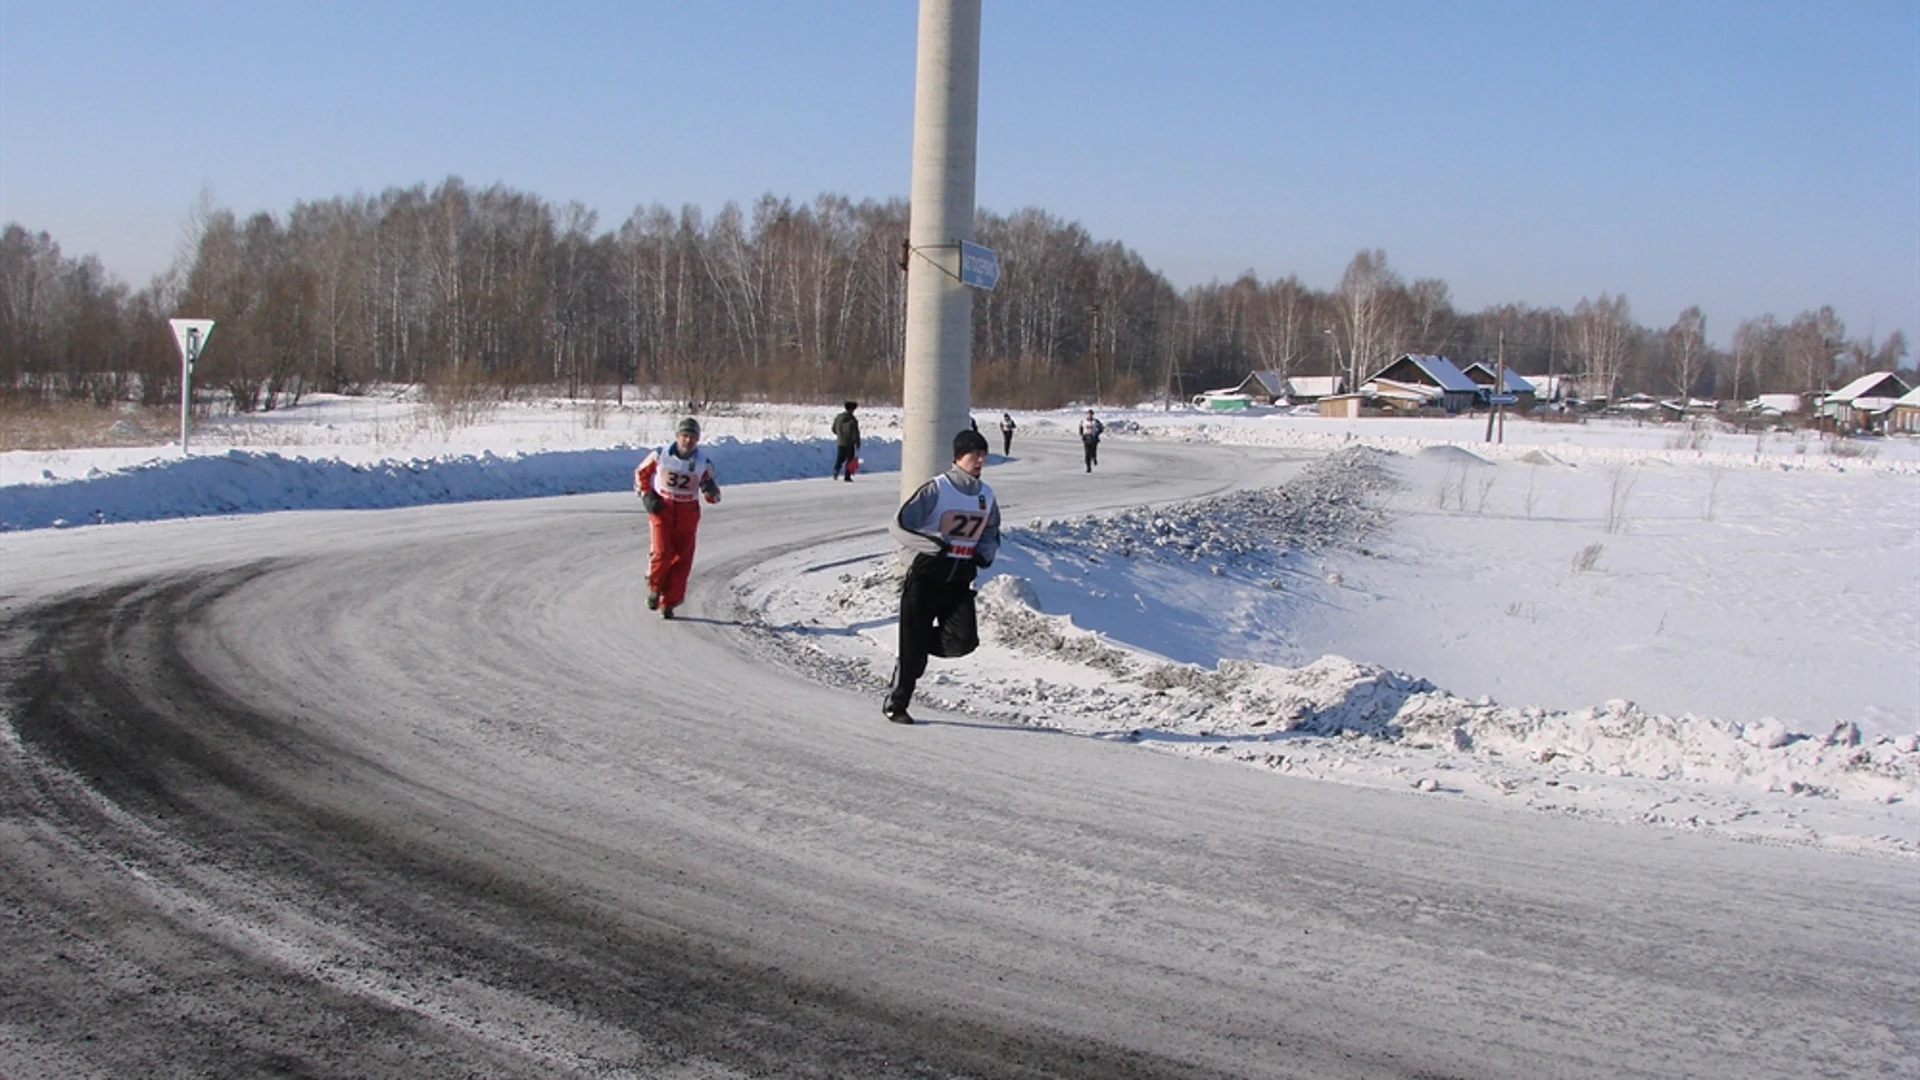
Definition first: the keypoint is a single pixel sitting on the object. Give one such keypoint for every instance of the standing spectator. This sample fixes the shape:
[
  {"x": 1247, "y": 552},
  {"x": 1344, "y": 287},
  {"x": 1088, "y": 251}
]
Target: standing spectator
[
  {"x": 1006, "y": 434},
  {"x": 947, "y": 531},
  {"x": 671, "y": 482},
  {"x": 846, "y": 442},
  {"x": 1090, "y": 430}
]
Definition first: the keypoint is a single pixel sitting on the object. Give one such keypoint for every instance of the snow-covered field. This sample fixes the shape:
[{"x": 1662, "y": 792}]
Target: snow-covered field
[{"x": 1655, "y": 625}]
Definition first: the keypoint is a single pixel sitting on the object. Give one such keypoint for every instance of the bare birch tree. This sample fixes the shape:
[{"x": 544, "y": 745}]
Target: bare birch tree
[
  {"x": 1687, "y": 350},
  {"x": 1814, "y": 341},
  {"x": 1754, "y": 342},
  {"x": 1365, "y": 303},
  {"x": 1598, "y": 337}
]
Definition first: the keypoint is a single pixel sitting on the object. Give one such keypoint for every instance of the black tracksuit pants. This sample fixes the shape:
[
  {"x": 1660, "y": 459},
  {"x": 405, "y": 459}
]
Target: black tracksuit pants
[{"x": 937, "y": 618}]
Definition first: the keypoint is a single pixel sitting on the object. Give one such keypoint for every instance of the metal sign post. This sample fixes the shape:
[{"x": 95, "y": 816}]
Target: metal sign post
[{"x": 191, "y": 335}]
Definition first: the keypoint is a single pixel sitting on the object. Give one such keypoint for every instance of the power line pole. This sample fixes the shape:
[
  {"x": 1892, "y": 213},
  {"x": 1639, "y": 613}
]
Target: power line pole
[
  {"x": 1494, "y": 399},
  {"x": 937, "y": 387},
  {"x": 1096, "y": 354}
]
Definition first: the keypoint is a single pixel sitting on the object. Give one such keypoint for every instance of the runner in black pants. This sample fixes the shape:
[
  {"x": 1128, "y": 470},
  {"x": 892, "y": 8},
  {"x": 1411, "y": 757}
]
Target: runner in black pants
[
  {"x": 1090, "y": 430},
  {"x": 947, "y": 531},
  {"x": 846, "y": 442}
]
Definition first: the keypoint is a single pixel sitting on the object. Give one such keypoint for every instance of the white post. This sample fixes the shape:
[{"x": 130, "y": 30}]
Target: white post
[
  {"x": 187, "y": 356},
  {"x": 937, "y": 393},
  {"x": 191, "y": 335}
]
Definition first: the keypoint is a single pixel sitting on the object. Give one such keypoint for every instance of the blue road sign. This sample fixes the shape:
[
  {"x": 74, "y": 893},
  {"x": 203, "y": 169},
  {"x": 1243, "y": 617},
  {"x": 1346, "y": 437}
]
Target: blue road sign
[{"x": 979, "y": 266}]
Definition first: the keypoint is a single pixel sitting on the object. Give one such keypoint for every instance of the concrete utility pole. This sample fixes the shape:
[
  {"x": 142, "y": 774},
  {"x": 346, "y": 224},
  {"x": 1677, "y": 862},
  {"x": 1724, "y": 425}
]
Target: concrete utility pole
[
  {"x": 938, "y": 392},
  {"x": 1095, "y": 312}
]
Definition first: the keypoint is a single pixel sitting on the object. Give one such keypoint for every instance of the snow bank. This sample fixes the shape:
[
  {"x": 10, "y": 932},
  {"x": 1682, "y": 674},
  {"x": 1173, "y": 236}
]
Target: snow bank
[
  {"x": 246, "y": 481},
  {"x": 1253, "y": 555}
]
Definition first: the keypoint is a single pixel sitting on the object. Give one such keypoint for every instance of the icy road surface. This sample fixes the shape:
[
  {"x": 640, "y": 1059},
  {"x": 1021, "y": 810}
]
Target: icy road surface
[{"x": 427, "y": 792}]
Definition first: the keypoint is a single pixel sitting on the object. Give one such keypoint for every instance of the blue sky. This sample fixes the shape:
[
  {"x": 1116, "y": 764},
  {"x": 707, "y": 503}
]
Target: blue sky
[{"x": 1751, "y": 157}]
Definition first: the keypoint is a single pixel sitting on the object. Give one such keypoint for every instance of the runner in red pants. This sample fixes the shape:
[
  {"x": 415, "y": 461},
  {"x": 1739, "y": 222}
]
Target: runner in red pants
[{"x": 671, "y": 482}]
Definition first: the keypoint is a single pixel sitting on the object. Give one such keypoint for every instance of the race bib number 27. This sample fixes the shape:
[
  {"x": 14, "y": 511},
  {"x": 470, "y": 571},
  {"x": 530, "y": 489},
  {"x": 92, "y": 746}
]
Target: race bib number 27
[{"x": 962, "y": 529}]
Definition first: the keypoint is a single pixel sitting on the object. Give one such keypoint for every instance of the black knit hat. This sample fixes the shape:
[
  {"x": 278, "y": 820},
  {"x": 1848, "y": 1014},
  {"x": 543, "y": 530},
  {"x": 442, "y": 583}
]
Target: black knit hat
[{"x": 968, "y": 442}]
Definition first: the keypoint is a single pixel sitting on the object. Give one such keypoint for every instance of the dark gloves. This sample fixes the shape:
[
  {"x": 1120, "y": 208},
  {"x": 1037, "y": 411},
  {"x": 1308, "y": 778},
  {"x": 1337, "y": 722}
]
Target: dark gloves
[{"x": 650, "y": 500}]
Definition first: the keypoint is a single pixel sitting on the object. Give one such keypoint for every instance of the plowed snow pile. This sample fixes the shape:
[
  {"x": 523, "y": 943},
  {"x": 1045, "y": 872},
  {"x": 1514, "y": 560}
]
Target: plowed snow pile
[{"x": 1232, "y": 574}]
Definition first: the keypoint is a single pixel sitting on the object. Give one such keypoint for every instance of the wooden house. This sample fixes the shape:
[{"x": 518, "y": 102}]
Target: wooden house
[
  {"x": 1341, "y": 406},
  {"x": 1776, "y": 405},
  {"x": 1307, "y": 389},
  {"x": 1264, "y": 387},
  {"x": 1514, "y": 385},
  {"x": 1905, "y": 414},
  {"x": 1865, "y": 404},
  {"x": 1273, "y": 388},
  {"x": 1434, "y": 376}
]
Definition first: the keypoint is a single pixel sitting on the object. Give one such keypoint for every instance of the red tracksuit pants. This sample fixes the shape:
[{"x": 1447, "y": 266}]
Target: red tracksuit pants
[{"x": 674, "y": 528}]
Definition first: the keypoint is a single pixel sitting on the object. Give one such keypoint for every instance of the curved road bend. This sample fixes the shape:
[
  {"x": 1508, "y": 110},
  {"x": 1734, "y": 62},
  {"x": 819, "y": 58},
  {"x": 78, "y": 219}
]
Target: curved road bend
[{"x": 428, "y": 792}]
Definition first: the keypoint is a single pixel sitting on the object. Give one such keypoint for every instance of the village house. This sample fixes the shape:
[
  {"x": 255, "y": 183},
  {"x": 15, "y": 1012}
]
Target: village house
[
  {"x": 1273, "y": 388},
  {"x": 1776, "y": 405},
  {"x": 1307, "y": 389},
  {"x": 1514, "y": 385},
  {"x": 1550, "y": 389},
  {"x": 1419, "y": 381},
  {"x": 1341, "y": 406},
  {"x": 1905, "y": 414},
  {"x": 1865, "y": 404}
]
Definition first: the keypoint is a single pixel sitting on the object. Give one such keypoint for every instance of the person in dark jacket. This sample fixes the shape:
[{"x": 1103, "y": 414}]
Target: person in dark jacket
[
  {"x": 846, "y": 440},
  {"x": 1090, "y": 431},
  {"x": 948, "y": 531},
  {"x": 1006, "y": 434}
]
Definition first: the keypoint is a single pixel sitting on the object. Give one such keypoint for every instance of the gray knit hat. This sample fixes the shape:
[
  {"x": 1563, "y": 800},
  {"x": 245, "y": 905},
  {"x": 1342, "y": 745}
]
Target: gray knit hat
[{"x": 689, "y": 426}]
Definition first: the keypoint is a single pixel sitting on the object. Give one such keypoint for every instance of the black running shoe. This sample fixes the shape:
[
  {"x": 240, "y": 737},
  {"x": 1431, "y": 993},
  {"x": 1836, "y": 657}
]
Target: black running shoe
[
  {"x": 666, "y": 611},
  {"x": 653, "y": 601},
  {"x": 895, "y": 713}
]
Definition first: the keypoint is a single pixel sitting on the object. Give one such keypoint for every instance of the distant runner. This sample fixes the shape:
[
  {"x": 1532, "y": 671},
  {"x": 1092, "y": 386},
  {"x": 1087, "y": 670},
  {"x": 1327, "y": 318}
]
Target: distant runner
[{"x": 1090, "y": 430}]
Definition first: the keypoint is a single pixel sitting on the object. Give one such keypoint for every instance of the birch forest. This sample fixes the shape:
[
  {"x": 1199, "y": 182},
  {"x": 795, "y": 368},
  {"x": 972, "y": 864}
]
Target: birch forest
[{"x": 499, "y": 292}]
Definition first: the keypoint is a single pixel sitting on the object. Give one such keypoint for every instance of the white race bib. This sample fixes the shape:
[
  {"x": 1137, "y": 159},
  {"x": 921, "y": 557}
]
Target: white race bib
[{"x": 961, "y": 518}]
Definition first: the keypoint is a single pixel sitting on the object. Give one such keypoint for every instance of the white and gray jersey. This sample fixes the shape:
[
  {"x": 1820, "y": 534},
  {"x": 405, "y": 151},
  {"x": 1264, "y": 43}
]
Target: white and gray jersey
[
  {"x": 679, "y": 478},
  {"x": 957, "y": 509}
]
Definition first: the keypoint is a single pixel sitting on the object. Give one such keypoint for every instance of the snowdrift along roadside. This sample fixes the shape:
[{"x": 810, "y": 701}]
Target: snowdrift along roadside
[
  {"x": 247, "y": 481},
  {"x": 1332, "y": 718}
]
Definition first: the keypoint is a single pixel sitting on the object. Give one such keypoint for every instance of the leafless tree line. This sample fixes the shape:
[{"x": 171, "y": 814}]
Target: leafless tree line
[{"x": 496, "y": 290}]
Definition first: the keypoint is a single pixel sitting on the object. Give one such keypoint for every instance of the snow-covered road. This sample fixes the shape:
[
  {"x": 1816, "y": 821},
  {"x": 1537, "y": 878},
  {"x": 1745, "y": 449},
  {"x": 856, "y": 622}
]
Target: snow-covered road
[{"x": 427, "y": 791}]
